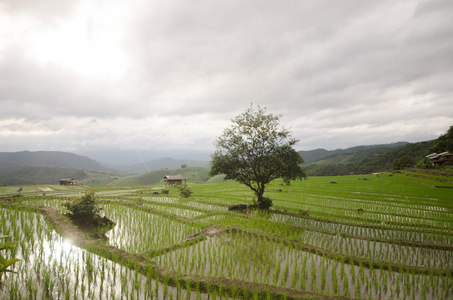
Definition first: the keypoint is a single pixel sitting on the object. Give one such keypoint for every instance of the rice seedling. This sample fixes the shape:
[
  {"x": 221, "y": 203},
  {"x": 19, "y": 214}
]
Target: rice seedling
[{"x": 398, "y": 246}]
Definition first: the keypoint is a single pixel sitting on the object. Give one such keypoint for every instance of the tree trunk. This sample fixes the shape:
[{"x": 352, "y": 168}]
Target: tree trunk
[
  {"x": 263, "y": 202},
  {"x": 259, "y": 197}
]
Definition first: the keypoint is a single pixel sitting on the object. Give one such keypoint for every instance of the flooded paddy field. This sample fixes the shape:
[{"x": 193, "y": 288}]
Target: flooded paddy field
[
  {"x": 52, "y": 268},
  {"x": 260, "y": 260},
  {"x": 313, "y": 243}
]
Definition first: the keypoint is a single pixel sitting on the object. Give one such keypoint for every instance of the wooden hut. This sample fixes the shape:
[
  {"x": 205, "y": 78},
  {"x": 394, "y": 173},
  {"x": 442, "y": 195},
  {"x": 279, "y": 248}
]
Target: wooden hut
[
  {"x": 174, "y": 179},
  {"x": 440, "y": 159},
  {"x": 67, "y": 181}
]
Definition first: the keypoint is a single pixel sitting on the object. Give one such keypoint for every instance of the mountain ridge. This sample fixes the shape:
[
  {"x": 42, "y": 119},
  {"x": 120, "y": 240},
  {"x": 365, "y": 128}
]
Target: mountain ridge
[
  {"x": 163, "y": 163},
  {"x": 121, "y": 158},
  {"x": 25, "y": 167},
  {"x": 311, "y": 156},
  {"x": 57, "y": 159},
  {"x": 379, "y": 162},
  {"x": 38, "y": 175}
]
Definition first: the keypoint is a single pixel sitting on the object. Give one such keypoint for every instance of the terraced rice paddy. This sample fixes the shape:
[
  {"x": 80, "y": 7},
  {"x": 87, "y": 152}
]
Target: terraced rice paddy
[{"x": 380, "y": 238}]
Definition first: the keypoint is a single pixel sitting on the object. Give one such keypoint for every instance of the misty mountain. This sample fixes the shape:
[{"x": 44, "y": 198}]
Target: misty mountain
[
  {"x": 19, "y": 161},
  {"x": 55, "y": 159},
  {"x": 162, "y": 163},
  {"x": 119, "y": 158},
  {"x": 38, "y": 175},
  {"x": 153, "y": 177},
  {"x": 48, "y": 166}
]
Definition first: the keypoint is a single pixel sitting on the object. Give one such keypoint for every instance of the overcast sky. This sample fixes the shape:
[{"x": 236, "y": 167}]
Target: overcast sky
[{"x": 171, "y": 74}]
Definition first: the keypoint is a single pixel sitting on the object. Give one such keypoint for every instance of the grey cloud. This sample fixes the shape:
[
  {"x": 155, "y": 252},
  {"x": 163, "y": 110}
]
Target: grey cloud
[
  {"x": 328, "y": 66},
  {"x": 36, "y": 91},
  {"x": 44, "y": 12}
]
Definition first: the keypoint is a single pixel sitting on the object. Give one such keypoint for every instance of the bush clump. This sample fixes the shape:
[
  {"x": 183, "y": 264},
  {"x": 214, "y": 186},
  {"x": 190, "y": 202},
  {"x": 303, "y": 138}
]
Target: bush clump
[
  {"x": 85, "y": 207},
  {"x": 184, "y": 191}
]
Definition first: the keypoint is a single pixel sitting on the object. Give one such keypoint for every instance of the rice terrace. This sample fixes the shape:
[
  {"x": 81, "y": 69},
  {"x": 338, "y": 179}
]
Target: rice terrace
[{"x": 381, "y": 236}]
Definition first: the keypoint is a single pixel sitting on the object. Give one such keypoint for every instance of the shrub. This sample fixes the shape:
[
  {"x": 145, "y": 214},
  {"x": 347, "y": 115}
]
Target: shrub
[
  {"x": 424, "y": 163},
  {"x": 85, "y": 207},
  {"x": 184, "y": 191},
  {"x": 165, "y": 191}
]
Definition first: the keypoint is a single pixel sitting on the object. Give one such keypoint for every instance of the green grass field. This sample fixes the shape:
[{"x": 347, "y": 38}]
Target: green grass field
[{"x": 381, "y": 236}]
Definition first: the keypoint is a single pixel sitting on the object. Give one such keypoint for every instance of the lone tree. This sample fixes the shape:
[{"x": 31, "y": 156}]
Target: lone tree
[{"x": 255, "y": 150}]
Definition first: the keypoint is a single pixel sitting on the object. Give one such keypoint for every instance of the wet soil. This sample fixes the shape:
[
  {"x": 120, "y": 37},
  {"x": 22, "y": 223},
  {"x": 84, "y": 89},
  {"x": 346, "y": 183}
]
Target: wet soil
[{"x": 95, "y": 226}]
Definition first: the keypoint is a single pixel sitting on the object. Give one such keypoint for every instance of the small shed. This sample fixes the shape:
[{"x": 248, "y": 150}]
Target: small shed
[
  {"x": 67, "y": 181},
  {"x": 174, "y": 179},
  {"x": 440, "y": 159}
]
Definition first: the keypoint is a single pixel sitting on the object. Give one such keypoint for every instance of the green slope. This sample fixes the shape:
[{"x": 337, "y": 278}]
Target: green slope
[
  {"x": 189, "y": 173},
  {"x": 38, "y": 175},
  {"x": 379, "y": 162},
  {"x": 351, "y": 154}
]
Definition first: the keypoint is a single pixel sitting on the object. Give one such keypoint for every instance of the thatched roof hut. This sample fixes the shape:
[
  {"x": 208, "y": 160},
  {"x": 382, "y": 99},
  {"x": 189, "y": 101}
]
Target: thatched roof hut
[{"x": 174, "y": 179}]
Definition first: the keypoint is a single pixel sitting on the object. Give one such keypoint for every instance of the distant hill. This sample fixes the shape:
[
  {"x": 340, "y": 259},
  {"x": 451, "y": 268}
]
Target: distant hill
[
  {"x": 371, "y": 160},
  {"x": 189, "y": 173},
  {"x": 314, "y": 155},
  {"x": 162, "y": 163},
  {"x": 38, "y": 175},
  {"x": 352, "y": 154},
  {"x": 47, "y": 167},
  {"x": 55, "y": 159},
  {"x": 121, "y": 158}
]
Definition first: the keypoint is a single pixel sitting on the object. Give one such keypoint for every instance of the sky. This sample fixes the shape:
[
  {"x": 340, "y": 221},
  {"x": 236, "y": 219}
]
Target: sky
[{"x": 172, "y": 74}]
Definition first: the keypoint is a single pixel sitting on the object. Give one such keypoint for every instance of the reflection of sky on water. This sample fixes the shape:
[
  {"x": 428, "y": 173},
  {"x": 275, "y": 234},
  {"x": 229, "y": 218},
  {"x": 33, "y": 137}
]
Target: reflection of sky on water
[
  {"x": 58, "y": 247},
  {"x": 138, "y": 231},
  {"x": 53, "y": 268}
]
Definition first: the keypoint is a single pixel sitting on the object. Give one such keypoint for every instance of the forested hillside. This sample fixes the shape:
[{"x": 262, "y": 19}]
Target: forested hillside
[
  {"x": 380, "y": 161},
  {"x": 352, "y": 154}
]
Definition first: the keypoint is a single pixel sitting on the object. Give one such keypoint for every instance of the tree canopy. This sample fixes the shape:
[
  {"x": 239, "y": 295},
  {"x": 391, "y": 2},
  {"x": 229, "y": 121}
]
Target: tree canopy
[
  {"x": 255, "y": 150},
  {"x": 444, "y": 142}
]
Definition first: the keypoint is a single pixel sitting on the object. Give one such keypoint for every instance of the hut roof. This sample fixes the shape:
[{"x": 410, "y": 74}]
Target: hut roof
[
  {"x": 174, "y": 177},
  {"x": 435, "y": 155}
]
